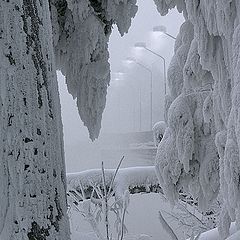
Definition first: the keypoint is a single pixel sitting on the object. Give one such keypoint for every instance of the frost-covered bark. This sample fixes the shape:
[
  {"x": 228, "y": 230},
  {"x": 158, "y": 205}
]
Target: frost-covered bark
[
  {"x": 32, "y": 170},
  {"x": 33, "y": 33},
  {"x": 81, "y": 32},
  {"x": 200, "y": 149}
]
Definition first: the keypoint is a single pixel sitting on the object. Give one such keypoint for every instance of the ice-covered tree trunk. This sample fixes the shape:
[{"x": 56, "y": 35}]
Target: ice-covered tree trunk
[{"x": 32, "y": 170}]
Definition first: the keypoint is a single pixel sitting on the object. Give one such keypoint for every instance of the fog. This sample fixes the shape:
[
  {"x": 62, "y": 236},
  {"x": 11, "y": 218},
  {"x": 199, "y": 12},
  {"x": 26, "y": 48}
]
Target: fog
[
  {"x": 123, "y": 131},
  {"x": 121, "y": 121}
]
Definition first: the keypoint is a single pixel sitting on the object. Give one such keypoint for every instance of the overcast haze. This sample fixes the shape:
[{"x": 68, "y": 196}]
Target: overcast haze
[{"x": 121, "y": 114}]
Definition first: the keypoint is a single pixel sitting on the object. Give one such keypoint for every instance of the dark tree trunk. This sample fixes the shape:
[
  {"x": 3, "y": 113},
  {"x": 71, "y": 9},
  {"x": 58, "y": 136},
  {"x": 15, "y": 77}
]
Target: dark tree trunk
[{"x": 32, "y": 169}]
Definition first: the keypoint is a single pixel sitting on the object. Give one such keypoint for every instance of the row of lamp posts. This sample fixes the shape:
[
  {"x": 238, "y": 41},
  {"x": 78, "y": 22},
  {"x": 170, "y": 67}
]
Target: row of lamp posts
[{"x": 142, "y": 45}]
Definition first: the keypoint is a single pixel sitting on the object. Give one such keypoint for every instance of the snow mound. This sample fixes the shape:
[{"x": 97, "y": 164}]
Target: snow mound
[{"x": 126, "y": 178}]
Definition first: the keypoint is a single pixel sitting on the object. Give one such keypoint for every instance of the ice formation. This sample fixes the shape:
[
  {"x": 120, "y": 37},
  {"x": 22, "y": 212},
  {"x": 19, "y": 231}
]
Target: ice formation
[
  {"x": 199, "y": 151},
  {"x": 81, "y": 31},
  {"x": 158, "y": 131}
]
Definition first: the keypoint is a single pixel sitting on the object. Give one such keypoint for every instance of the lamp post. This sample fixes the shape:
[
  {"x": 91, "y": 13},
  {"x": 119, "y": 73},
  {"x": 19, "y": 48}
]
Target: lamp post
[
  {"x": 162, "y": 29},
  {"x": 144, "y": 46},
  {"x": 132, "y": 60},
  {"x": 119, "y": 77},
  {"x": 129, "y": 61},
  {"x": 116, "y": 80}
]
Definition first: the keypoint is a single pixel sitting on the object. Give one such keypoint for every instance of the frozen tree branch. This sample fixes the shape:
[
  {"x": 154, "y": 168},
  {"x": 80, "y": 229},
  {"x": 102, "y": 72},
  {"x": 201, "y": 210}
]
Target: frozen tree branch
[
  {"x": 199, "y": 151},
  {"x": 81, "y": 30}
]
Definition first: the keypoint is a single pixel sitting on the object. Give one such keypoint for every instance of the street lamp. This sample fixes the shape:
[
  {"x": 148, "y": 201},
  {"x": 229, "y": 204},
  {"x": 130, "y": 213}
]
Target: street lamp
[
  {"x": 132, "y": 60},
  {"x": 119, "y": 73},
  {"x": 144, "y": 46},
  {"x": 119, "y": 78},
  {"x": 162, "y": 29}
]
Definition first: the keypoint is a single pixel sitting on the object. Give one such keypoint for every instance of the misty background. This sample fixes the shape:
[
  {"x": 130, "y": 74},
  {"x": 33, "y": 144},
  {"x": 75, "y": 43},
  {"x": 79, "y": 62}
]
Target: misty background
[{"x": 121, "y": 117}]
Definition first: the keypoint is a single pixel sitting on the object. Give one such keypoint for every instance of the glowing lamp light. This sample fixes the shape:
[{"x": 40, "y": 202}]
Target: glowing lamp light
[
  {"x": 161, "y": 29},
  {"x": 129, "y": 60},
  {"x": 140, "y": 45},
  {"x": 119, "y": 73}
]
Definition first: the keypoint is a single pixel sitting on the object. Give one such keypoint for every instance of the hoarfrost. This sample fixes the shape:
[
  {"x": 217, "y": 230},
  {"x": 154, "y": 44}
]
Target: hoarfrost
[
  {"x": 81, "y": 33},
  {"x": 200, "y": 148},
  {"x": 158, "y": 131}
]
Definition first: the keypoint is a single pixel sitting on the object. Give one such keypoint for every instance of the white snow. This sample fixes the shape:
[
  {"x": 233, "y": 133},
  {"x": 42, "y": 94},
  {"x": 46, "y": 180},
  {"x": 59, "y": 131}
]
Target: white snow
[
  {"x": 81, "y": 32},
  {"x": 214, "y": 234},
  {"x": 141, "y": 220},
  {"x": 126, "y": 178},
  {"x": 235, "y": 236},
  {"x": 158, "y": 131},
  {"x": 200, "y": 148},
  {"x": 199, "y": 151}
]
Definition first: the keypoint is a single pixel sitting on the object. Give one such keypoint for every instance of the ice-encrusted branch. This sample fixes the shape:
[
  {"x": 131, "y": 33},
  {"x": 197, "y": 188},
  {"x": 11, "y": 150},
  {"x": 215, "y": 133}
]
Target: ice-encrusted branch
[
  {"x": 201, "y": 145},
  {"x": 81, "y": 30}
]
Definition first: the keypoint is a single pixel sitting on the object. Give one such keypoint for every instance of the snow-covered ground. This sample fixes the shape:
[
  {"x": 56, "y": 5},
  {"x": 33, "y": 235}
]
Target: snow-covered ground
[
  {"x": 214, "y": 234},
  {"x": 141, "y": 220},
  {"x": 143, "y": 211}
]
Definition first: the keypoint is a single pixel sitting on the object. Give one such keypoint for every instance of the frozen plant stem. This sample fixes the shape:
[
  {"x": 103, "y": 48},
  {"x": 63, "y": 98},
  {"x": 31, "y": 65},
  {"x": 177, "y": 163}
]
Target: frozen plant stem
[
  {"x": 115, "y": 174},
  {"x": 122, "y": 223},
  {"x": 101, "y": 197},
  {"x": 105, "y": 201}
]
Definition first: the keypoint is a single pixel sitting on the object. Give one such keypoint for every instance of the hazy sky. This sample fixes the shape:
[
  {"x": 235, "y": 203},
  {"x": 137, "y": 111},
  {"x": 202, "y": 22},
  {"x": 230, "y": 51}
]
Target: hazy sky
[{"x": 123, "y": 98}]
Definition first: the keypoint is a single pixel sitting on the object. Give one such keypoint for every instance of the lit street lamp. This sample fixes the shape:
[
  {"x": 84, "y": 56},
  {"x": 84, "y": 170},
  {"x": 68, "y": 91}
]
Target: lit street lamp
[
  {"x": 129, "y": 61},
  {"x": 132, "y": 60},
  {"x": 119, "y": 78},
  {"x": 144, "y": 46},
  {"x": 162, "y": 29},
  {"x": 116, "y": 80}
]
